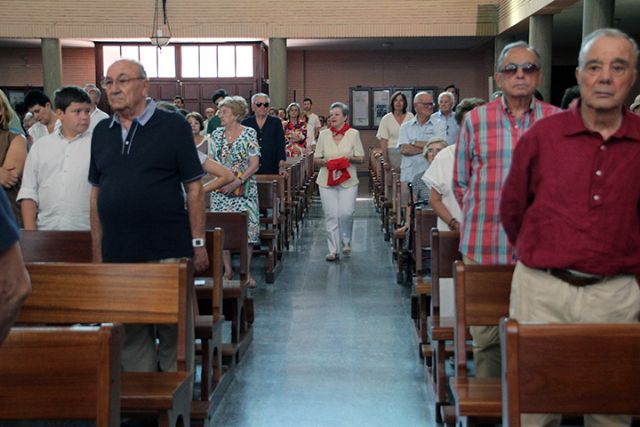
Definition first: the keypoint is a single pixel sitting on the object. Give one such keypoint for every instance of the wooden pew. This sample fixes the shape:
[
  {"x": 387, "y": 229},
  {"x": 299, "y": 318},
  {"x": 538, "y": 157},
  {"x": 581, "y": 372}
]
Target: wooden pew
[
  {"x": 237, "y": 304},
  {"x": 269, "y": 203},
  {"x": 61, "y": 373},
  {"x": 569, "y": 369},
  {"x": 282, "y": 214},
  {"x": 209, "y": 322},
  {"x": 400, "y": 209},
  {"x": 482, "y": 298},
  {"x": 444, "y": 251},
  {"x": 68, "y": 293},
  {"x": 75, "y": 246}
]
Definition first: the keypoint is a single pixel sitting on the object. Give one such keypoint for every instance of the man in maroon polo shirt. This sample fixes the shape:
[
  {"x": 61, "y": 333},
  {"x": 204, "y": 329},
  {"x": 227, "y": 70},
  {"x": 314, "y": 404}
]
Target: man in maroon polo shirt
[{"x": 570, "y": 204}]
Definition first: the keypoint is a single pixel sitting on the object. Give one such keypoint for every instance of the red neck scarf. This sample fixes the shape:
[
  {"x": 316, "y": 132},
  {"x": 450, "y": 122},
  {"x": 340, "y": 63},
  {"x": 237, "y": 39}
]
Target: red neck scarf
[{"x": 340, "y": 131}]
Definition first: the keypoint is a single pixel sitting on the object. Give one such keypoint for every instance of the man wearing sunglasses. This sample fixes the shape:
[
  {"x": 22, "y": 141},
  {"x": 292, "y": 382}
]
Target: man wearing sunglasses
[
  {"x": 488, "y": 136},
  {"x": 570, "y": 204},
  {"x": 270, "y": 135}
]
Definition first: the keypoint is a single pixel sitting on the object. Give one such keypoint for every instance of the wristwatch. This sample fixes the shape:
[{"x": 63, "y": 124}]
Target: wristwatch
[{"x": 198, "y": 243}]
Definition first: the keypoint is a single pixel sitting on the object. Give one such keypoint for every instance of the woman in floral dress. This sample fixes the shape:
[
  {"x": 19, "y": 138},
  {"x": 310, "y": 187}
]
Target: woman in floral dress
[
  {"x": 295, "y": 131},
  {"x": 236, "y": 147}
]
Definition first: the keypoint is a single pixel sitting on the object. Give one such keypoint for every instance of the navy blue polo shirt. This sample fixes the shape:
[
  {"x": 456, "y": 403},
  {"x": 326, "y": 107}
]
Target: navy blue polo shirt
[
  {"x": 272, "y": 143},
  {"x": 141, "y": 202},
  {"x": 8, "y": 228}
]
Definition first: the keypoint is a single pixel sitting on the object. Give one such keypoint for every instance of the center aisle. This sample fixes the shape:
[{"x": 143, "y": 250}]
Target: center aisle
[{"x": 332, "y": 341}]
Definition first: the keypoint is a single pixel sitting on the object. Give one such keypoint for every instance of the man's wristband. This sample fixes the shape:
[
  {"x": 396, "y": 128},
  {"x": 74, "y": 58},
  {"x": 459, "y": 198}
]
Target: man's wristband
[{"x": 197, "y": 243}]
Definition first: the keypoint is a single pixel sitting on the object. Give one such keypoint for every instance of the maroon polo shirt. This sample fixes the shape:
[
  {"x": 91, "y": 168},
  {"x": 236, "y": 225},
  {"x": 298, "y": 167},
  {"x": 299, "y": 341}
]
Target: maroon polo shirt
[{"x": 572, "y": 200}]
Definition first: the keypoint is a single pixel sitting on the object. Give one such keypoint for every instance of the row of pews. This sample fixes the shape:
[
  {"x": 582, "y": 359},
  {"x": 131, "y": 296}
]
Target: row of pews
[
  {"x": 54, "y": 369},
  {"x": 566, "y": 369}
]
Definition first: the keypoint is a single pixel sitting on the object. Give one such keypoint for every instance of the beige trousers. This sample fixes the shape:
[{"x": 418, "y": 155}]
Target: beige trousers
[{"x": 539, "y": 296}]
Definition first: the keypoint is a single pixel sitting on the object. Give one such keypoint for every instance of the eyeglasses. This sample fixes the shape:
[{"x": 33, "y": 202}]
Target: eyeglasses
[
  {"x": 512, "y": 69},
  {"x": 262, "y": 104},
  {"x": 120, "y": 82},
  {"x": 426, "y": 104}
]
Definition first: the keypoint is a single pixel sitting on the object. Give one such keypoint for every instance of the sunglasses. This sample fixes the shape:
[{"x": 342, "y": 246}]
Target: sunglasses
[
  {"x": 512, "y": 69},
  {"x": 262, "y": 104}
]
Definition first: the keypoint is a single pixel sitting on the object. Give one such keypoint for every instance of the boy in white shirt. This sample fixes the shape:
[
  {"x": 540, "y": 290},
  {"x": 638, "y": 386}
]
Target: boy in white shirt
[{"x": 55, "y": 189}]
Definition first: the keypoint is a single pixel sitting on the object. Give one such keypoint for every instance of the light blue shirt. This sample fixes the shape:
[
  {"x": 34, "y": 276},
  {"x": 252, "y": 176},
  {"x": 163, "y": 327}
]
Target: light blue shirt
[
  {"x": 412, "y": 131},
  {"x": 452, "y": 127}
]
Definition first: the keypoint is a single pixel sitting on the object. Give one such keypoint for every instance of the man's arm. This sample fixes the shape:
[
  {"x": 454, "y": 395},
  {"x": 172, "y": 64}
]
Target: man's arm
[
  {"x": 462, "y": 165},
  {"x": 516, "y": 193},
  {"x": 96, "y": 225},
  {"x": 28, "y": 194},
  {"x": 195, "y": 207},
  {"x": 15, "y": 287},
  {"x": 404, "y": 144}
]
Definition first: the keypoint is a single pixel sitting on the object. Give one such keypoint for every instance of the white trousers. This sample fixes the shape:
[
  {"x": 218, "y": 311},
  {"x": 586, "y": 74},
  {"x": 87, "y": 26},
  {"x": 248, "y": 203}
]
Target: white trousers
[{"x": 338, "y": 204}]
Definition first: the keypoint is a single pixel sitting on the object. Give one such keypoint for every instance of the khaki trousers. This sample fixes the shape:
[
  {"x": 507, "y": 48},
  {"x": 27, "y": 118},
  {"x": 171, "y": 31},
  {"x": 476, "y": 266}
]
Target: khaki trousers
[
  {"x": 539, "y": 296},
  {"x": 486, "y": 346}
]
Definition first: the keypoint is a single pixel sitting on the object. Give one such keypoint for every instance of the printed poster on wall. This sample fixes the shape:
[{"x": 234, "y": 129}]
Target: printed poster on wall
[
  {"x": 380, "y": 105},
  {"x": 360, "y": 108}
]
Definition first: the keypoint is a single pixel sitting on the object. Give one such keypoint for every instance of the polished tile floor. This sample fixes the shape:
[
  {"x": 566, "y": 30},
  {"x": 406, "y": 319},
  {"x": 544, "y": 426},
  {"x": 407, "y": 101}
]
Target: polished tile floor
[{"x": 333, "y": 342}]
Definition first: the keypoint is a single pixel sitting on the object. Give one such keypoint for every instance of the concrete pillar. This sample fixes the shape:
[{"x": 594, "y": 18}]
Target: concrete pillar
[
  {"x": 596, "y": 14},
  {"x": 540, "y": 37},
  {"x": 51, "y": 66},
  {"x": 278, "y": 72}
]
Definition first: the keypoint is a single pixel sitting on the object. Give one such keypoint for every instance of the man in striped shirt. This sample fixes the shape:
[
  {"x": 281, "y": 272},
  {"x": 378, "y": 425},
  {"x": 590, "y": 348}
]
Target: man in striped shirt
[{"x": 483, "y": 158}]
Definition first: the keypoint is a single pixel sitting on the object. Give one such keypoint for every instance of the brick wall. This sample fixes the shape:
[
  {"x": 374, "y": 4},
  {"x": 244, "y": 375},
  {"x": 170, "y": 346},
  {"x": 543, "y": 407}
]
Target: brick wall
[{"x": 23, "y": 66}]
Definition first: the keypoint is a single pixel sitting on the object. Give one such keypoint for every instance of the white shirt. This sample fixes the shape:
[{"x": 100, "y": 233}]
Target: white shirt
[
  {"x": 439, "y": 177},
  {"x": 56, "y": 178},
  {"x": 411, "y": 132},
  {"x": 328, "y": 149},
  {"x": 389, "y": 128},
  {"x": 313, "y": 123},
  {"x": 96, "y": 117},
  {"x": 38, "y": 130}
]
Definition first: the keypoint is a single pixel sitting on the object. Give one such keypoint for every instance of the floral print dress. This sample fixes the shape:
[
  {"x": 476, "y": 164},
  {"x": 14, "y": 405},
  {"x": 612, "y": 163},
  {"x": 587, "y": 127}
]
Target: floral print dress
[{"x": 235, "y": 156}]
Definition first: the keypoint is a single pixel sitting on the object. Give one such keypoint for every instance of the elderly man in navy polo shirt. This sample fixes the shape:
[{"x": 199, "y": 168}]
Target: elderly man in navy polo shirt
[
  {"x": 140, "y": 161},
  {"x": 570, "y": 204},
  {"x": 270, "y": 135}
]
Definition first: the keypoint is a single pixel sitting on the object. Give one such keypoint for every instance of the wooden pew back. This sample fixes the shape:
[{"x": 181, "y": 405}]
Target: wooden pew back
[
  {"x": 62, "y": 373},
  {"x": 215, "y": 243},
  {"x": 481, "y": 299},
  {"x": 56, "y": 246},
  {"x": 569, "y": 369},
  {"x": 234, "y": 226},
  {"x": 444, "y": 252},
  {"x": 425, "y": 220},
  {"x": 281, "y": 186},
  {"x": 268, "y": 199},
  {"x": 66, "y": 293}
]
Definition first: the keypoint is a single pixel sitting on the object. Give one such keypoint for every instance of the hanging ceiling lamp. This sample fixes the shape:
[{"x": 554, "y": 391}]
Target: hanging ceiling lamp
[{"x": 161, "y": 28}]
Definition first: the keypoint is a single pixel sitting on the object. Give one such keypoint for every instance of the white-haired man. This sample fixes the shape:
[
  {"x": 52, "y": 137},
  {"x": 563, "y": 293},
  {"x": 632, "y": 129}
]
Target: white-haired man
[
  {"x": 414, "y": 135},
  {"x": 446, "y": 101},
  {"x": 270, "y": 135},
  {"x": 97, "y": 115},
  {"x": 485, "y": 146},
  {"x": 570, "y": 204}
]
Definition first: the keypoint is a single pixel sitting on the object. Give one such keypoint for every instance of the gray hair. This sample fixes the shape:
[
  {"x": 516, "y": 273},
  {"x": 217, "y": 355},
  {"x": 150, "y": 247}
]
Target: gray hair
[
  {"x": 419, "y": 94},
  {"x": 515, "y": 45},
  {"x": 236, "y": 104},
  {"x": 259, "y": 95},
  {"x": 589, "y": 39},
  {"x": 451, "y": 96},
  {"x": 90, "y": 87},
  {"x": 342, "y": 106},
  {"x": 294, "y": 105}
]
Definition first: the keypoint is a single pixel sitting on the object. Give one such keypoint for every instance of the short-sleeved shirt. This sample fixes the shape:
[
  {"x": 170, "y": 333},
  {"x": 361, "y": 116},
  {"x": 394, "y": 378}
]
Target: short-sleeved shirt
[
  {"x": 313, "y": 123},
  {"x": 411, "y": 132},
  {"x": 328, "y": 149},
  {"x": 8, "y": 228},
  {"x": 55, "y": 178},
  {"x": 271, "y": 141},
  {"x": 439, "y": 177},
  {"x": 141, "y": 200},
  {"x": 389, "y": 128},
  {"x": 453, "y": 129}
]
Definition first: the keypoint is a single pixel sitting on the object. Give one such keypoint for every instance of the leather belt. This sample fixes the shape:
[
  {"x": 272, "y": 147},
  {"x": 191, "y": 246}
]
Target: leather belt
[{"x": 574, "y": 279}]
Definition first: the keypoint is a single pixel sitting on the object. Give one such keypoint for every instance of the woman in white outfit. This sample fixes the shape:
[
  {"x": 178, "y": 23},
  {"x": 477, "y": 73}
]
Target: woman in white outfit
[
  {"x": 389, "y": 129},
  {"x": 339, "y": 143}
]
